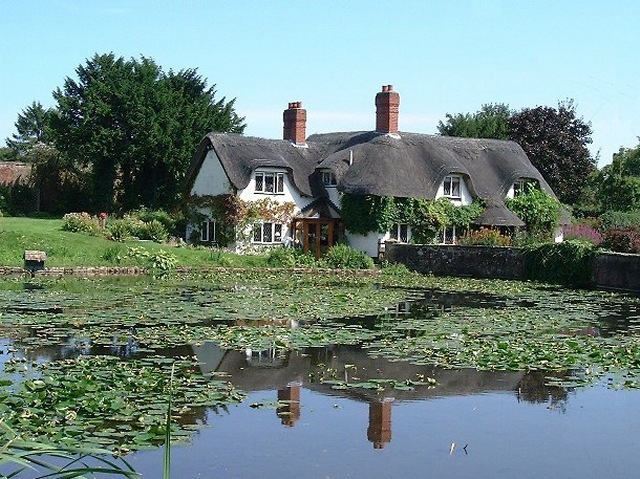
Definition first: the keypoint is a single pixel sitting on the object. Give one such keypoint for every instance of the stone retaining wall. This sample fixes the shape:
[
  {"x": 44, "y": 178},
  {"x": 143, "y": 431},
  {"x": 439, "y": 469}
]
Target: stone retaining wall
[
  {"x": 448, "y": 260},
  {"x": 611, "y": 271}
]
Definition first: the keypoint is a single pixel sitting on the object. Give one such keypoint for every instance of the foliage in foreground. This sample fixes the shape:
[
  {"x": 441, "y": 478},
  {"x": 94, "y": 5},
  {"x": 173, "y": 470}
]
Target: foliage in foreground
[{"x": 569, "y": 262}]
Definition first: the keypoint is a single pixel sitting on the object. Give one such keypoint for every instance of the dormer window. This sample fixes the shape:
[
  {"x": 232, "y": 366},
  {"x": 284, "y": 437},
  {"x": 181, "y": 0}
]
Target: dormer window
[
  {"x": 451, "y": 187},
  {"x": 272, "y": 183},
  {"x": 329, "y": 179},
  {"x": 520, "y": 186}
]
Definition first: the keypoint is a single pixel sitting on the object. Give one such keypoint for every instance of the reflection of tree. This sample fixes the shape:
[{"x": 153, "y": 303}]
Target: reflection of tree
[{"x": 533, "y": 388}]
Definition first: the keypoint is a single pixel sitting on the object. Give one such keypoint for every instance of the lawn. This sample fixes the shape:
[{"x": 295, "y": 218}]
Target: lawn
[{"x": 65, "y": 248}]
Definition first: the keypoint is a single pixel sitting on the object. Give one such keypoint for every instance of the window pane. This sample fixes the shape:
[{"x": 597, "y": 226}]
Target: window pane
[
  {"x": 257, "y": 234},
  {"x": 268, "y": 182},
  {"x": 393, "y": 233},
  {"x": 277, "y": 232},
  {"x": 267, "y": 233},
  {"x": 259, "y": 182},
  {"x": 455, "y": 187},
  {"x": 204, "y": 231},
  {"x": 447, "y": 186},
  {"x": 404, "y": 233},
  {"x": 280, "y": 183}
]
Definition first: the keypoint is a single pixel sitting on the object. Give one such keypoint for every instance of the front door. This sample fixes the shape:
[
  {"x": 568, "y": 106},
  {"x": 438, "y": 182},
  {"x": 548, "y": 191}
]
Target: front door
[{"x": 316, "y": 235}]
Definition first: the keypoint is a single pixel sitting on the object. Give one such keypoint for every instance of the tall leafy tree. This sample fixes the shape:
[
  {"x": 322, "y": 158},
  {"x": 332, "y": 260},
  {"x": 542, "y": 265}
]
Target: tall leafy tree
[
  {"x": 555, "y": 141},
  {"x": 491, "y": 121},
  {"x": 32, "y": 127},
  {"x": 136, "y": 127},
  {"x": 620, "y": 181}
]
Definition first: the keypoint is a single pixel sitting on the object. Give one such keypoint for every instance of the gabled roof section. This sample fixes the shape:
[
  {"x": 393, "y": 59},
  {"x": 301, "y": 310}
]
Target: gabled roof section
[
  {"x": 414, "y": 165},
  {"x": 241, "y": 155},
  {"x": 320, "y": 208}
]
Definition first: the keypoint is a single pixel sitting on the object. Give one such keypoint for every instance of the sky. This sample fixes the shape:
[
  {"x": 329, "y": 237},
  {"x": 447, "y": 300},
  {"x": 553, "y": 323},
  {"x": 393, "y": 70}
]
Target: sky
[{"x": 447, "y": 56}]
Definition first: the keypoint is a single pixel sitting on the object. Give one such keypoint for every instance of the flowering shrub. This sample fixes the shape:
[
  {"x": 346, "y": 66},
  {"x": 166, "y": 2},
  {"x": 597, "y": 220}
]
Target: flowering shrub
[
  {"x": 485, "y": 237},
  {"x": 81, "y": 223},
  {"x": 623, "y": 240},
  {"x": 582, "y": 232}
]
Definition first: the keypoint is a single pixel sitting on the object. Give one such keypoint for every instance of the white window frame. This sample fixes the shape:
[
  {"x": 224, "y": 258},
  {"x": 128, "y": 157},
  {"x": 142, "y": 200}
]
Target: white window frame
[
  {"x": 448, "y": 235},
  {"x": 206, "y": 227},
  {"x": 329, "y": 179},
  {"x": 277, "y": 182},
  {"x": 449, "y": 183},
  {"x": 268, "y": 233},
  {"x": 396, "y": 232},
  {"x": 519, "y": 186}
]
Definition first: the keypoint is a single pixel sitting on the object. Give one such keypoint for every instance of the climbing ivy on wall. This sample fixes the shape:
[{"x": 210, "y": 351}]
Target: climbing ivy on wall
[
  {"x": 363, "y": 214},
  {"x": 538, "y": 210},
  {"x": 235, "y": 216}
]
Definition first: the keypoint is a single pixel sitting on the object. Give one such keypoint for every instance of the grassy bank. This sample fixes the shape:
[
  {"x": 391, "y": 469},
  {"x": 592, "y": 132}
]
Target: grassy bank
[{"x": 65, "y": 248}]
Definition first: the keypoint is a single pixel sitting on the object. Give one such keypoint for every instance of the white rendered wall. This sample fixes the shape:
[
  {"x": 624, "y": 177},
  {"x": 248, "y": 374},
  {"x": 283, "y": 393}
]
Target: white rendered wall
[
  {"x": 368, "y": 243},
  {"x": 211, "y": 179}
]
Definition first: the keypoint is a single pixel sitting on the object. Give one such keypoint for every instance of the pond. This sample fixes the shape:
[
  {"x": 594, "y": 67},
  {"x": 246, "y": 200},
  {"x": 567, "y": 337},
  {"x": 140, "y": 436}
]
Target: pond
[{"x": 323, "y": 376}]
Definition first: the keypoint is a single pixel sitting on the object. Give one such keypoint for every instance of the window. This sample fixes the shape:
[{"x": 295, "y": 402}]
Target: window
[
  {"x": 520, "y": 187},
  {"x": 452, "y": 187},
  {"x": 400, "y": 232},
  {"x": 447, "y": 235},
  {"x": 208, "y": 231},
  {"x": 268, "y": 233},
  {"x": 269, "y": 183},
  {"x": 329, "y": 178}
]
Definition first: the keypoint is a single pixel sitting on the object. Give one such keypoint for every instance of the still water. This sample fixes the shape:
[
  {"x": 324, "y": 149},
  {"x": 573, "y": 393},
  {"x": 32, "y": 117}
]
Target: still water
[{"x": 473, "y": 424}]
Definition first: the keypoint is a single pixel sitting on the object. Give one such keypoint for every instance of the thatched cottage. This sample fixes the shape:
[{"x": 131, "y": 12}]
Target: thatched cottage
[{"x": 312, "y": 174}]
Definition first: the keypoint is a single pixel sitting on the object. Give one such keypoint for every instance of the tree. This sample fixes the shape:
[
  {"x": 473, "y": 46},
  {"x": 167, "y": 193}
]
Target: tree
[
  {"x": 32, "y": 127},
  {"x": 555, "y": 141},
  {"x": 620, "y": 181},
  {"x": 491, "y": 121},
  {"x": 136, "y": 128}
]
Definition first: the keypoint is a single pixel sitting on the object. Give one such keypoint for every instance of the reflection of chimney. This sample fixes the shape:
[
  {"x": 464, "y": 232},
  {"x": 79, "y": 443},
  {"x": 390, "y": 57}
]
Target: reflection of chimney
[
  {"x": 387, "y": 105},
  {"x": 295, "y": 124},
  {"x": 289, "y": 404},
  {"x": 379, "y": 431}
]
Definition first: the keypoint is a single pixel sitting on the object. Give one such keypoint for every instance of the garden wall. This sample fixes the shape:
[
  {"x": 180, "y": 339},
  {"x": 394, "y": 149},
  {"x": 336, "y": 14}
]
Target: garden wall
[
  {"x": 448, "y": 260},
  {"x": 618, "y": 271},
  {"x": 615, "y": 271}
]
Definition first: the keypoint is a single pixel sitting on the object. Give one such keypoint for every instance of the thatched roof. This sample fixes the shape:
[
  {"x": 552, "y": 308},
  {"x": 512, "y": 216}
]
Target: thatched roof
[
  {"x": 404, "y": 165},
  {"x": 496, "y": 213},
  {"x": 14, "y": 173},
  {"x": 414, "y": 165},
  {"x": 241, "y": 155}
]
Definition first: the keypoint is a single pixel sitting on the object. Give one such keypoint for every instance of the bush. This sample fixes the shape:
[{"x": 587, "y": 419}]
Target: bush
[
  {"x": 152, "y": 230},
  {"x": 161, "y": 216},
  {"x": 119, "y": 230},
  {"x": 619, "y": 219},
  {"x": 485, "y": 237},
  {"x": 622, "y": 240},
  {"x": 345, "y": 257},
  {"x": 582, "y": 232},
  {"x": 569, "y": 262},
  {"x": 81, "y": 223},
  {"x": 290, "y": 258}
]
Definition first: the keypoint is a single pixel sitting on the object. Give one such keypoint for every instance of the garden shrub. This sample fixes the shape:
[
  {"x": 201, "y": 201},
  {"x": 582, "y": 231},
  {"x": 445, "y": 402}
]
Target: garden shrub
[
  {"x": 538, "y": 210},
  {"x": 161, "y": 216},
  {"x": 582, "y": 232},
  {"x": 290, "y": 258},
  {"x": 569, "y": 262},
  {"x": 484, "y": 237},
  {"x": 152, "y": 230},
  {"x": 81, "y": 223},
  {"x": 619, "y": 219},
  {"x": 342, "y": 256},
  {"x": 622, "y": 240},
  {"x": 118, "y": 230}
]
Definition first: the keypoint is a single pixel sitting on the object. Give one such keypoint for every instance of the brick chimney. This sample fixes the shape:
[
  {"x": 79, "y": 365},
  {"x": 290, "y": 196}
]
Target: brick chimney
[
  {"x": 387, "y": 105},
  {"x": 295, "y": 124}
]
